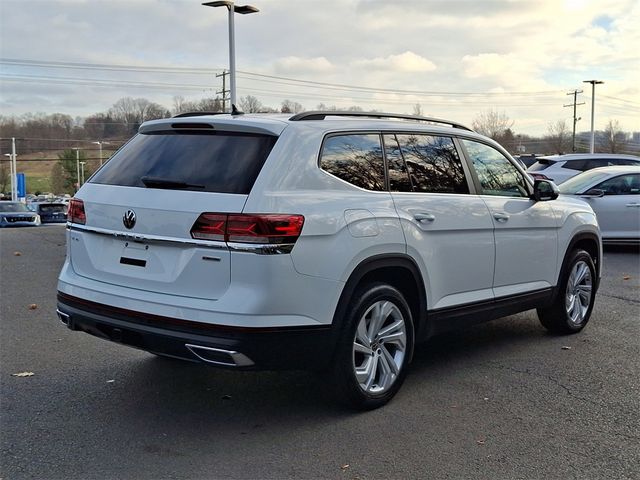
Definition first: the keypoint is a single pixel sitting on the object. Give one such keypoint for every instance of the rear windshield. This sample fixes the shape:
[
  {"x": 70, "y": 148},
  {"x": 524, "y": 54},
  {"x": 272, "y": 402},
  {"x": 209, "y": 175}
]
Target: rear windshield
[
  {"x": 53, "y": 208},
  {"x": 223, "y": 162},
  {"x": 541, "y": 164}
]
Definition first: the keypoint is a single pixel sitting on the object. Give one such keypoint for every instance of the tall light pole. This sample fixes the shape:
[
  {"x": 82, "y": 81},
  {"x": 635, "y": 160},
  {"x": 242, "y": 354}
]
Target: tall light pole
[
  {"x": 12, "y": 175},
  {"x": 593, "y": 104},
  {"x": 100, "y": 146},
  {"x": 77, "y": 166},
  {"x": 82, "y": 164},
  {"x": 232, "y": 8}
]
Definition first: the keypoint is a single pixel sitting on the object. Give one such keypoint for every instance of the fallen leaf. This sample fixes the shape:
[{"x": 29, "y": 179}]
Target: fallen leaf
[
  {"x": 626, "y": 277},
  {"x": 33, "y": 306},
  {"x": 23, "y": 374},
  {"x": 480, "y": 442},
  {"x": 486, "y": 399},
  {"x": 345, "y": 466},
  {"x": 17, "y": 254},
  {"x": 565, "y": 347}
]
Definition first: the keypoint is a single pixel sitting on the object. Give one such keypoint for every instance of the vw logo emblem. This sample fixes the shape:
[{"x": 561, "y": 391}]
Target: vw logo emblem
[{"x": 129, "y": 219}]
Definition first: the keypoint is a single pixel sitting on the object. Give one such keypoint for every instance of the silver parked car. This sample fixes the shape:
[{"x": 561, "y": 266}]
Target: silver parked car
[
  {"x": 16, "y": 214},
  {"x": 614, "y": 194}
]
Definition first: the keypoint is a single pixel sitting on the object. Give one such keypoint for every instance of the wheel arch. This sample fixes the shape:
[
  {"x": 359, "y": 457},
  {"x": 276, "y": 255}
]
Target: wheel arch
[
  {"x": 589, "y": 242},
  {"x": 399, "y": 271}
]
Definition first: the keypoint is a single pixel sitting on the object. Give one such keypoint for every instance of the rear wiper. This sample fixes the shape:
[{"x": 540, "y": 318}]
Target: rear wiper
[{"x": 157, "y": 182}]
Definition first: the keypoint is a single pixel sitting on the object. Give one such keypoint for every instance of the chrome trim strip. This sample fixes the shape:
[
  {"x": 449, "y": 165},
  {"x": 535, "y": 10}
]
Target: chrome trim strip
[
  {"x": 257, "y": 248},
  {"x": 134, "y": 237},
  {"x": 261, "y": 248},
  {"x": 239, "y": 359}
]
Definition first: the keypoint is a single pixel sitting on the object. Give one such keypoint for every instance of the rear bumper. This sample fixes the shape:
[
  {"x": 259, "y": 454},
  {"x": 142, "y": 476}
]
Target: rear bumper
[{"x": 232, "y": 347}]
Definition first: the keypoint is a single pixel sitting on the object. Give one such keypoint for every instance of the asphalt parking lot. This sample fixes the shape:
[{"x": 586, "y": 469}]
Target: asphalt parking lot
[{"x": 500, "y": 400}]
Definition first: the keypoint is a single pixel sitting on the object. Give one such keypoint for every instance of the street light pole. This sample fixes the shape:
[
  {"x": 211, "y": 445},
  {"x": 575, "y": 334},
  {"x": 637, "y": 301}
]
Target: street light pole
[
  {"x": 77, "y": 166},
  {"x": 233, "y": 9},
  {"x": 12, "y": 177},
  {"x": 593, "y": 104},
  {"x": 14, "y": 171},
  {"x": 100, "y": 146}
]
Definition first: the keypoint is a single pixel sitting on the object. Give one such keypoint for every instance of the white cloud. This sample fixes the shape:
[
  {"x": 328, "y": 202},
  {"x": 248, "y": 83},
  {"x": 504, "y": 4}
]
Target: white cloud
[
  {"x": 406, "y": 62},
  {"x": 298, "y": 65}
]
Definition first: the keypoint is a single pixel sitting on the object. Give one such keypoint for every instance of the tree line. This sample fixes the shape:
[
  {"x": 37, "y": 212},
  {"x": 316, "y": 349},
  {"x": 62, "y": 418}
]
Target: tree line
[{"x": 58, "y": 132}]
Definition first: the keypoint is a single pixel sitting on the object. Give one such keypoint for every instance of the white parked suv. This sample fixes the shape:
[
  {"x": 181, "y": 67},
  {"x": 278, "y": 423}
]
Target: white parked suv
[
  {"x": 560, "y": 168},
  {"x": 327, "y": 240}
]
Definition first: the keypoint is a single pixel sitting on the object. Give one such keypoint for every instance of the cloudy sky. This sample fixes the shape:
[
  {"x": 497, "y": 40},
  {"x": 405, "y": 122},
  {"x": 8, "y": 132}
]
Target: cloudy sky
[{"x": 455, "y": 58}]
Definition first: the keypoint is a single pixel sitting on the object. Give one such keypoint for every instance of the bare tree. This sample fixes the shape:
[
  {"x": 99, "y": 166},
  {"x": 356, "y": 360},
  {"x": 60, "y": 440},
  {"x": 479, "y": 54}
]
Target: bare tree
[
  {"x": 492, "y": 124},
  {"x": 289, "y": 106},
  {"x": 133, "y": 111},
  {"x": 558, "y": 136},
  {"x": 250, "y": 104},
  {"x": 613, "y": 139}
]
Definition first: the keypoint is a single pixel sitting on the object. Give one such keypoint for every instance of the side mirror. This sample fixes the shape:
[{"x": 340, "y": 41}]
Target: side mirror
[
  {"x": 544, "y": 190},
  {"x": 594, "y": 192}
]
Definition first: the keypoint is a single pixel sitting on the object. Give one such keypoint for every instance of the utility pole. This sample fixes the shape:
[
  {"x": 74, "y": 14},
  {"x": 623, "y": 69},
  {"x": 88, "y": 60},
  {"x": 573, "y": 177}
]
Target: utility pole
[
  {"x": 575, "y": 119},
  {"x": 224, "y": 91},
  {"x": 593, "y": 107}
]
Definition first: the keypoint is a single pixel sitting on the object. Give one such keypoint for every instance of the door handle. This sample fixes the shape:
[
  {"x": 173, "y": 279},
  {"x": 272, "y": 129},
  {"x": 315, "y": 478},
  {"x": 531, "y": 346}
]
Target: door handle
[
  {"x": 501, "y": 217},
  {"x": 424, "y": 217},
  {"x": 633, "y": 204}
]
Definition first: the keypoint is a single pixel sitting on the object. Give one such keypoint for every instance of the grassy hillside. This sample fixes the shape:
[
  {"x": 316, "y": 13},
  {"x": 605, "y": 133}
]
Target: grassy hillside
[{"x": 37, "y": 168}]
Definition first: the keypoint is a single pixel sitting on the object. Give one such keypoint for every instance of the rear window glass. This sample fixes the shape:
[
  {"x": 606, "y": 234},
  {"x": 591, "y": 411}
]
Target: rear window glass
[
  {"x": 223, "y": 162},
  {"x": 57, "y": 208},
  {"x": 356, "y": 159},
  {"x": 541, "y": 164}
]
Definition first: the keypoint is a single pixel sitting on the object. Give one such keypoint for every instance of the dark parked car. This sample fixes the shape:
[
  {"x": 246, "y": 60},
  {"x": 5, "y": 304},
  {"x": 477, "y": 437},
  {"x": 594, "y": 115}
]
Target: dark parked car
[
  {"x": 50, "y": 212},
  {"x": 16, "y": 214}
]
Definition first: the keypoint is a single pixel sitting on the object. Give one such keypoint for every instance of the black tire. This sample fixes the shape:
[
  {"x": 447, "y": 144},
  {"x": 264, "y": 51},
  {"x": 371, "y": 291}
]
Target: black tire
[
  {"x": 366, "y": 300},
  {"x": 557, "y": 318}
]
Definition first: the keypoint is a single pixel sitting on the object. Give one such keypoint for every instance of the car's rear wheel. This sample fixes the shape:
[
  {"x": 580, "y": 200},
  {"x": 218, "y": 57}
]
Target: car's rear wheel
[
  {"x": 375, "y": 348},
  {"x": 573, "y": 304}
]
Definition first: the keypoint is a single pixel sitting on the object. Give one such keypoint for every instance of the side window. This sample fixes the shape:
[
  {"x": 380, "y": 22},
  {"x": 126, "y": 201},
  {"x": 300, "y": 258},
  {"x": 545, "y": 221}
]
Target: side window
[
  {"x": 622, "y": 185},
  {"x": 433, "y": 163},
  {"x": 498, "y": 176},
  {"x": 399, "y": 180},
  {"x": 356, "y": 159},
  {"x": 580, "y": 165}
]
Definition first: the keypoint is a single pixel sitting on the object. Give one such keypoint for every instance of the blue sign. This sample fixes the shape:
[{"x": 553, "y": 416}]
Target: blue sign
[{"x": 22, "y": 185}]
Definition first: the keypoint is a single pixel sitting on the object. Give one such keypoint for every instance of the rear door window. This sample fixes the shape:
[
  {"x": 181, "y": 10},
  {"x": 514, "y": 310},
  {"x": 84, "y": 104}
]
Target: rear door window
[
  {"x": 355, "y": 158},
  {"x": 223, "y": 162}
]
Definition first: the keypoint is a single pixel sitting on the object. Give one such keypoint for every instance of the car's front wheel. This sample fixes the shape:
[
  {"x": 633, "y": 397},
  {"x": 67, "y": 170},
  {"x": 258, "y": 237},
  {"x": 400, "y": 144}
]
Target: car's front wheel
[
  {"x": 573, "y": 304},
  {"x": 376, "y": 346}
]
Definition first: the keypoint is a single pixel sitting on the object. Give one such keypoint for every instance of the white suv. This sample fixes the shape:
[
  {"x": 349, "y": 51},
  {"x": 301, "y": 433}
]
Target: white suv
[
  {"x": 560, "y": 168},
  {"x": 327, "y": 240}
]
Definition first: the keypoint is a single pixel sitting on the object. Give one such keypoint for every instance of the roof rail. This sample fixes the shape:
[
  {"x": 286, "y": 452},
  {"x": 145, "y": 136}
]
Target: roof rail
[
  {"x": 197, "y": 114},
  {"x": 321, "y": 115}
]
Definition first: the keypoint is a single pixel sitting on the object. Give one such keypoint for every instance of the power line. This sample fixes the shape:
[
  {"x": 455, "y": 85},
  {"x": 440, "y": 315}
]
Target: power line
[{"x": 209, "y": 71}]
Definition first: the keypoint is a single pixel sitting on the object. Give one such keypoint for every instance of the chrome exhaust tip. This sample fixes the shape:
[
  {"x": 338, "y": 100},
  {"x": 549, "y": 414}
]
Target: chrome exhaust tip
[
  {"x": 218, "y": 356},
  {"x": 63, "y": 317}
]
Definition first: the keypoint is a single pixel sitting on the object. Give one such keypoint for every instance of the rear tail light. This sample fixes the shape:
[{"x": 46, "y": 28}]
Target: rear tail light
[
  {"x": 76, "y": 214},
  {"x": 539, "y": 176},
  {"x": 248, "y": 228}
]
